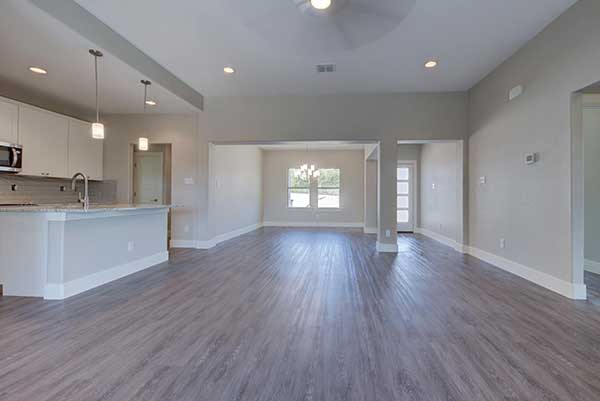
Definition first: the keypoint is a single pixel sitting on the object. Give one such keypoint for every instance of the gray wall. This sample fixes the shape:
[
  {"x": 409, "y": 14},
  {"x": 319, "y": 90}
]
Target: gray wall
[
  {"x": 439, "y": 205},
  {"x": 530, "y": 206},
  {"x": 591, "y": 136},
  {"x": 180, "y": 131},
  {"x": 351, "y": 164},
  {"x": 237, "y": 181},
  {"x": 386, "y": 118}
]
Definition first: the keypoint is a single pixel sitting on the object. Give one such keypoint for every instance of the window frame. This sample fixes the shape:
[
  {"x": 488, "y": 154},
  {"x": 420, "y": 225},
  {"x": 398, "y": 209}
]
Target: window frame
[
  {"x": 339, "y": 188},
  {"x": 289, "y": 188}
]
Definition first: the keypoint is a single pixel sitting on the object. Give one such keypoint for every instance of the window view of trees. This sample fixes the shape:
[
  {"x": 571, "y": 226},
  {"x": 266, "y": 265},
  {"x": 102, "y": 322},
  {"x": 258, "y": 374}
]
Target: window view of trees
[
  {"x": 327, "y": 186},
  {"x": 328, "y": 190},
  {"x": 298, "y": 189}
]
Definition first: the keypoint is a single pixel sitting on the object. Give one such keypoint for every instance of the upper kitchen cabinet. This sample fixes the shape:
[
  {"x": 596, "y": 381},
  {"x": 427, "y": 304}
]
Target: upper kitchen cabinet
[
  {"x": 85, "y": 152},
  {"x": 9, "y": 121},
  {"x": 45, "y": 140}
]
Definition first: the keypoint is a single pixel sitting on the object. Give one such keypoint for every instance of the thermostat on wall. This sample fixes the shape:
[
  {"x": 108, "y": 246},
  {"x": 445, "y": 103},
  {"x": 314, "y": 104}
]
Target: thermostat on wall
[{"x": 531, "y": 158}]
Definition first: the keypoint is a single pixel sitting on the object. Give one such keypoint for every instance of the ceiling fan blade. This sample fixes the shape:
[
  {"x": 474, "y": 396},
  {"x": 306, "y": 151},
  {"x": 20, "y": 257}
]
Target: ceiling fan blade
[
  {"x": 350, "y": 24},
  {"x": 396, "y": 8},
  {"x": 361, "y": 25}
]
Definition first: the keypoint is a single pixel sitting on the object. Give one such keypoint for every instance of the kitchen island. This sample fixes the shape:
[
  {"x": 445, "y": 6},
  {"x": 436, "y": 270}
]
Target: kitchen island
[{"x": 57, "y": 251}]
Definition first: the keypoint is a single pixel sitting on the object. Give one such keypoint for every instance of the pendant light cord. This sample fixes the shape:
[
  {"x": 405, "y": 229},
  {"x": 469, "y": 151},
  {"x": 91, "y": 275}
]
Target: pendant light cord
[{"x": 96, "y": 77}]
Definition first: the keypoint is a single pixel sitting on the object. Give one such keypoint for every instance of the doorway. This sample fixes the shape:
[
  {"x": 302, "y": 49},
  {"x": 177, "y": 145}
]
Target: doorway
[
  {"x": 405, "y": 195},
  {"x": 148, "y": 179},
  {"x": 151, "y": 177}
]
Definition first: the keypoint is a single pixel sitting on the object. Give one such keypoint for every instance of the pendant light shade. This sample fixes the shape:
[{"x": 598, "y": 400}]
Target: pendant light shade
[
  {"x": 143, "y": 144},
  {"x": 98, "y": 131},
  {"x": 97, "y": 127}
]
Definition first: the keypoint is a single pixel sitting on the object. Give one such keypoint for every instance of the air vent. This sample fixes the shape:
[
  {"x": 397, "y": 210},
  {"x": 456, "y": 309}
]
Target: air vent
[{"x": 322, "y": 68}]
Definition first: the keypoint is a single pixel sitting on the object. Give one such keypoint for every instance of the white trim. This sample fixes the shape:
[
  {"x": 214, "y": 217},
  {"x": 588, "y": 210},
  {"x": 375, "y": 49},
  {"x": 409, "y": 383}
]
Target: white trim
[
  {"x": 443, "y": 239},
  {"x": 592, "y": 266},
  {"x": 206, "y": 244},
  {"x": 315, "y": 224},
  {"x": 386, "y": 248},
  {"x": 565, "y": 288},
  {"x": 236, "y": 233},
  {"x": 77, "y": 286},
  {"x": 183, "y": 243},
  {"x": 211, "y": 243},
  {"x": 370, "y": 230}
]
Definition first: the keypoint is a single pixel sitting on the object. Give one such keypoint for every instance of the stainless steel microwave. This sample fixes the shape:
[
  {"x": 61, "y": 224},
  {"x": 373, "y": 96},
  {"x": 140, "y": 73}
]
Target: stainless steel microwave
[{"x": 11, "y": 157}]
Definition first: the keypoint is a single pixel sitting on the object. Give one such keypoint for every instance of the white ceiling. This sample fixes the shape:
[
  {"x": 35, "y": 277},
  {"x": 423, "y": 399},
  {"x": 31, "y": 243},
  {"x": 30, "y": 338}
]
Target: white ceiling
[
  {"x": 29, "y": 37},
  {"x": 195, "y": 39}
]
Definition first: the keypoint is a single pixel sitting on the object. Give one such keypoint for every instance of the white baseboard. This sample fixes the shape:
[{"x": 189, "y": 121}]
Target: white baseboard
[
  {"x": 211, "y": 243},
  {"x": 592, "y": 266},
  {"x": 443, "y": 239},
  {"x": 236, "y": 233},
  {"x": 77, "y": 286},
  {"x": 311, "y": 224},
  {"x": 565, "y": 288},
  {"x": 370, "y": 230},
  {"x": 386, "y": 248},
  {"x": 183, "y": 243}
]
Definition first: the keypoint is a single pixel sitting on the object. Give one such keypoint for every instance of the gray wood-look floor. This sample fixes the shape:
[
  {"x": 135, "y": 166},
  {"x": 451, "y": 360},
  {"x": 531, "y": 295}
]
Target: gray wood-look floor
[{"x": 304, "y": 314}]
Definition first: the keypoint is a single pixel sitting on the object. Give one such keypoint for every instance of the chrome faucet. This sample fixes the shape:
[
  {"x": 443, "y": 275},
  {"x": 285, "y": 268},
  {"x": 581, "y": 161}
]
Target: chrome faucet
[{"x": 86, "y": 199}]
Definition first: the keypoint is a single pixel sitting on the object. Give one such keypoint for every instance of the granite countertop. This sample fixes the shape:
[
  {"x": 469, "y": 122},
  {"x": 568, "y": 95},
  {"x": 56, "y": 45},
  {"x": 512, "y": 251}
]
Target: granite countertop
[{"x": 78, "y": 208}]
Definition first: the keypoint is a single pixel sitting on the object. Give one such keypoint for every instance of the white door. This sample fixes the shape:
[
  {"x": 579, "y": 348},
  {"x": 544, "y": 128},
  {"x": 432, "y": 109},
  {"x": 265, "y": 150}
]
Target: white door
[
  {"x": 405, "y": 197},
  {"x": 148, "y": 178}
]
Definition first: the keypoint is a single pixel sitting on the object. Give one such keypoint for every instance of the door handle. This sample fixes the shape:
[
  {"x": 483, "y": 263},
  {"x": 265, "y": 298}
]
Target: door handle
[{"x": 15, "y": 161}]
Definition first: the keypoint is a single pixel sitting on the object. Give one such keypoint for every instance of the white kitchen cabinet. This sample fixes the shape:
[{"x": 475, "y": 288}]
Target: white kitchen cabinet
[
  {"x": 85, "y": 152},
  {"x": 9, "y": 121},
  {"x": 45, "y": 140}
]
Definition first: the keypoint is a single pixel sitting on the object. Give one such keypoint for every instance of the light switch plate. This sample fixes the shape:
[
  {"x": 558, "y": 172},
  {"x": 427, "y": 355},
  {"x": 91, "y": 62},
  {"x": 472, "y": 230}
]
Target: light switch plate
[{"x": 482, "y": 179}]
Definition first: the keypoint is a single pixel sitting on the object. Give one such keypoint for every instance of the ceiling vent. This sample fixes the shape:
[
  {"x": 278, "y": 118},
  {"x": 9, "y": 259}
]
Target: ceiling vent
[{"x": 322, "y": 68}]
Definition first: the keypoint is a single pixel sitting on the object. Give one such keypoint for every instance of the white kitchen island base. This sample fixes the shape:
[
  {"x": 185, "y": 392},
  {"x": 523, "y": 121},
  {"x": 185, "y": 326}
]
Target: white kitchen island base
[{"x": 57, "y": 252}]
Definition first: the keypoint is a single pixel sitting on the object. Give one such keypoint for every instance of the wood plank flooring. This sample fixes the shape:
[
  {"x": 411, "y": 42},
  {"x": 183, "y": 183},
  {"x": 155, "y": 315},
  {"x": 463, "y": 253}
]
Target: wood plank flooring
[{"x": 305, "y": 314}]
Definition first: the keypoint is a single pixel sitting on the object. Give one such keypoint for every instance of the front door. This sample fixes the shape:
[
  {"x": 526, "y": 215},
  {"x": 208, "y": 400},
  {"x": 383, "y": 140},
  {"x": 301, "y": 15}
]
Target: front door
[{"x": 405, "y": 197}]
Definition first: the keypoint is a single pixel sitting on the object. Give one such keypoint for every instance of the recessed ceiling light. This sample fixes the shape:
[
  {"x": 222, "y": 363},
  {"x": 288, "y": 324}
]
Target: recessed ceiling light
[
  {"x": 320, "y": 4},
  {"x": 431, "y": 64},
  {"x": 229, "y": 70},
  {"x": 151, "y": 103},
  {"x": 38, "y": 70}
]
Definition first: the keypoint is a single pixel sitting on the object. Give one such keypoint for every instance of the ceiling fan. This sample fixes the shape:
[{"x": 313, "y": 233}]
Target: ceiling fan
[{"x": 322, "y": 26}]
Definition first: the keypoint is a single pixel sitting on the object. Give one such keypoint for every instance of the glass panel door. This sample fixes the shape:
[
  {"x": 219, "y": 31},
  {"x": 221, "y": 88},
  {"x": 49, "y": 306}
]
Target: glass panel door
[{"x": 405, "y": 198}]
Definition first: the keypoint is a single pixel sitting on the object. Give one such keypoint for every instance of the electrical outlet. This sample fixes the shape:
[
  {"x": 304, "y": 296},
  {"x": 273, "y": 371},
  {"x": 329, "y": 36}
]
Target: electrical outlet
[
  {"x": 433, "y": 185},
  {"x": 130, "y": 246},
  {"x": 482, "y": 179},
  {"x": 502, "y": 243},
  {"x": 388, "y": 233}
]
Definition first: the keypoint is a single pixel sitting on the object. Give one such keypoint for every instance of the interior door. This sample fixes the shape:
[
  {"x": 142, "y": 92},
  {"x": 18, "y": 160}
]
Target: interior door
[
  {"x": 148, "y": 178},
  {"x": 405, "y": 197}
]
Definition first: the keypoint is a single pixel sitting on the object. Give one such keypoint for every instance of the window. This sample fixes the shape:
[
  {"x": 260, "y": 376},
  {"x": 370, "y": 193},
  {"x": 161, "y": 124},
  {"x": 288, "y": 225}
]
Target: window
[
  {"x": 328, "y": 191},
  {"x": 298, "y": 189}
]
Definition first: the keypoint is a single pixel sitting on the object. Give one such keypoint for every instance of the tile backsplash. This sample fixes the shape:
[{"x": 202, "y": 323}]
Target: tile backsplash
[{"x": 23, "y": 189}]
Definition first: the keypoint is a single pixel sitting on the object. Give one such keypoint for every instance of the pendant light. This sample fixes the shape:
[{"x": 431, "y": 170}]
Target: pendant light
[
  {"x": 142, "y": 141},
  {"x": 97, "y": 127},
  {"x": 310, "y": 171}
]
